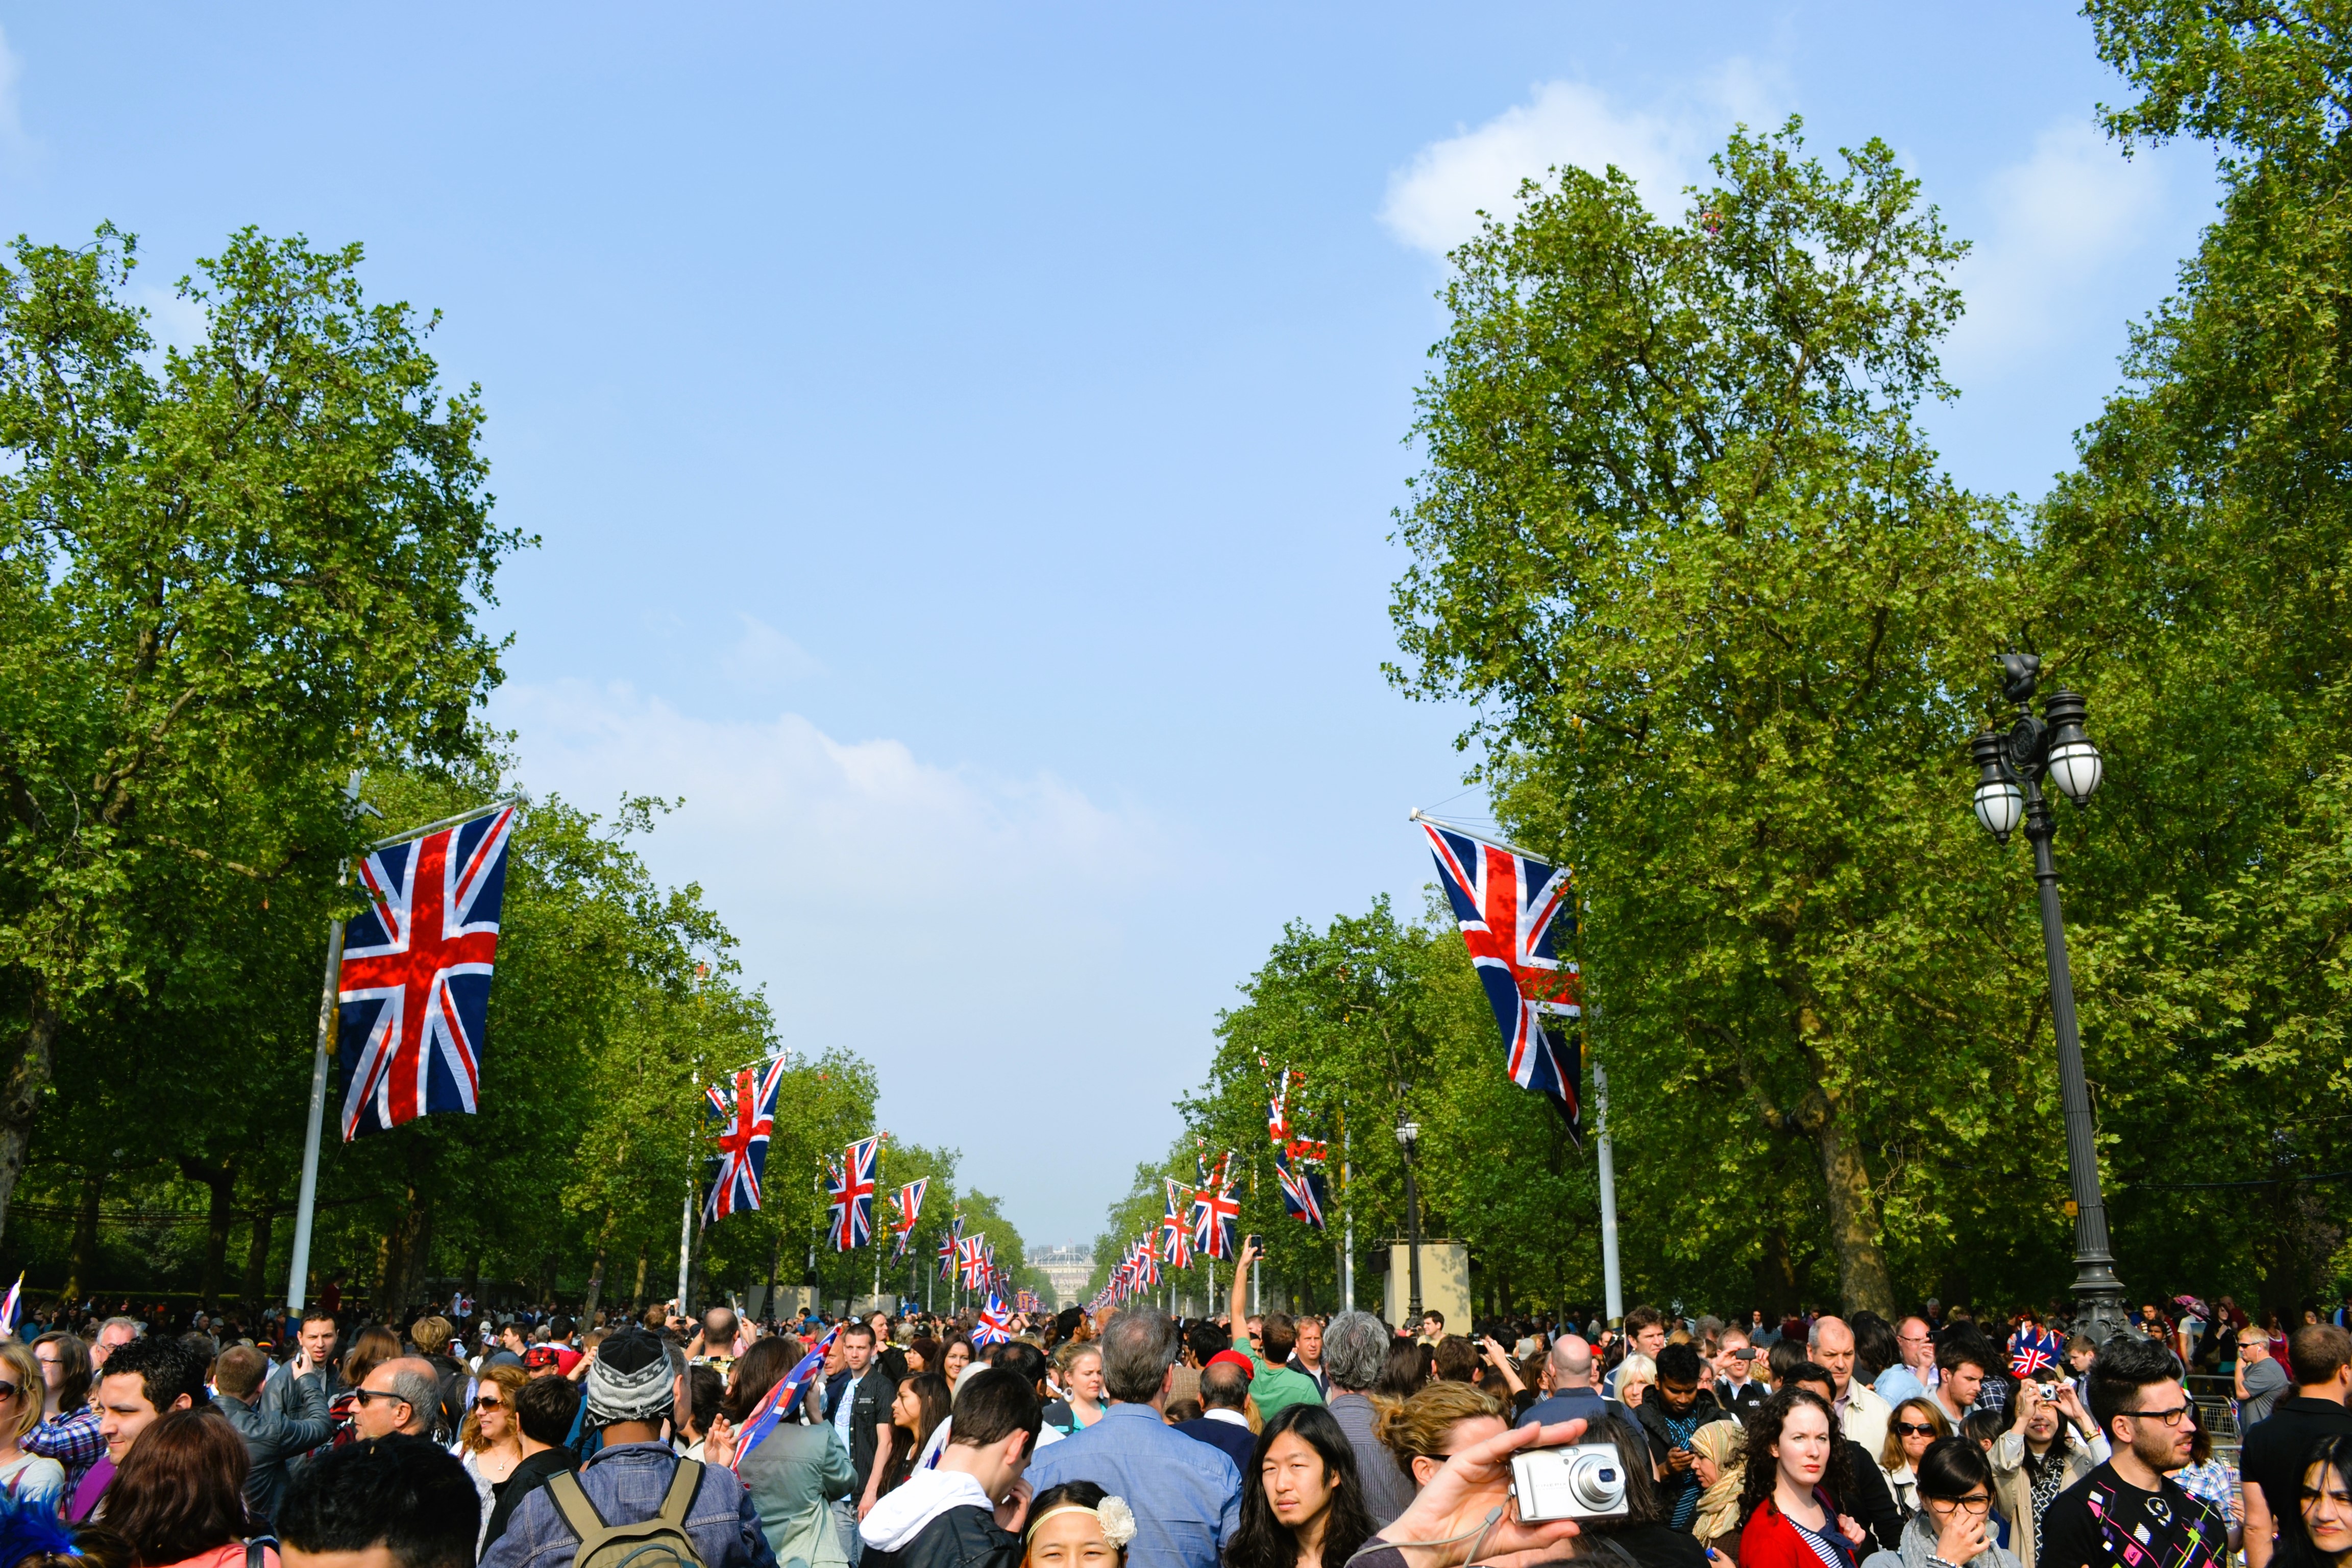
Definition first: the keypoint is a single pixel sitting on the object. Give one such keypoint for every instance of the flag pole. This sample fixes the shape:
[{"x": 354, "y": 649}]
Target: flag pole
[
  {"x": 685, "y": 1245},
  {"x": 306, "y": 1200},
  {"x": 1611, "y": 1286}
]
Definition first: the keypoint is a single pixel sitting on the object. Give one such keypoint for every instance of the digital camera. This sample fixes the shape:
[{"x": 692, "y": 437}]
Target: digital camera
[{"x": 1582, "y": 1480}]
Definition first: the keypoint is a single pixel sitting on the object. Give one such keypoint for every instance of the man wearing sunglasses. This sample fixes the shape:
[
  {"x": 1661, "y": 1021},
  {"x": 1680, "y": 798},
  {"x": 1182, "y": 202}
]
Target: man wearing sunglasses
[
  {"x": 399, "y": 1396},
  {"x": 2128, "y": 1511}
]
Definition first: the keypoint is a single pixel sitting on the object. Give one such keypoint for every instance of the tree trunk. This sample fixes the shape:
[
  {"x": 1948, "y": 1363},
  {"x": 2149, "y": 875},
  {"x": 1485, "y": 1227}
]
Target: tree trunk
[
  {"x": 257, "y": 1261},
  {"x": 1775, "y": 1276},
  {"x": 595, "y": 1282},
  {"x": 1863, "y": 1279},
  {"x": 82, "y": 1258},
  {"x": 218, "y": 1178},
  {"x": 637, "y": 1295},
  {"x": 28, "y": 1074}
]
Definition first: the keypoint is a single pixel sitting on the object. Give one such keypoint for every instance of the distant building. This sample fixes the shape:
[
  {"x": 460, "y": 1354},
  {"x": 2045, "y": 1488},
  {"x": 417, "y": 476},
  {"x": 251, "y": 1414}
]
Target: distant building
[{"x": 1067, "y": 1268}]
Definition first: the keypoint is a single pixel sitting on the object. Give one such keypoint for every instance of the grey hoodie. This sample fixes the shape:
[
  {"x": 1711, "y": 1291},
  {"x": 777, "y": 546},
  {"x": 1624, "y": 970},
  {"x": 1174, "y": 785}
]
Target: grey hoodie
[{"x": 1918, "y": 1549}]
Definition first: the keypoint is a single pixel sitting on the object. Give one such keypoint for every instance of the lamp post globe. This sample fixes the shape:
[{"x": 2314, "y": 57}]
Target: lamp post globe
[{"x": 2011, "y": 771}]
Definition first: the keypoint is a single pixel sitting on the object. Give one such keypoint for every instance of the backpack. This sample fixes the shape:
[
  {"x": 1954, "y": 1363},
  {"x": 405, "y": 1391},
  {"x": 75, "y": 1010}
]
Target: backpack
[{"x": 660, "y": 1541}]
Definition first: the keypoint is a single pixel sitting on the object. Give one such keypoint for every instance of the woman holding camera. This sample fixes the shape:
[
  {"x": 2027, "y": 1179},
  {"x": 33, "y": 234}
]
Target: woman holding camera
[
  {"x": 2050, "y": 1445},
  {"x": 1954, "y": 1522},
  {"x": 1795, "y": 1471}
]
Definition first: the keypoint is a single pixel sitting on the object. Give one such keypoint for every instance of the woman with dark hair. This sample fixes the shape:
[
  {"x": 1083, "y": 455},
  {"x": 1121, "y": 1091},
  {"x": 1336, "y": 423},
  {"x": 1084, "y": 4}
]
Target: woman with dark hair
[
  {"x": 1875, "y": 1348},
  {"x": 1954, "y": 1525},
  {"x": 1404, "y": 1372},
  {"x": 2049, "y": 1447},
  {"x": 795, "y": 1472},
  {"x": 69, "y": 1429},
  {"x": 1077, "y": 1525},
  {"x": 955, "y": 1354},
  {"x": 2317, "y": 1533},
  {"x": 178, "y": 1496},
  {"x": 1303, "y": 1507},
  {"x": 1794, "y": 1469},
  {"x": 922, "y": 1354},
  {"x": 920, "y": 1403},
  {"x": 1643, "y": 1534}
]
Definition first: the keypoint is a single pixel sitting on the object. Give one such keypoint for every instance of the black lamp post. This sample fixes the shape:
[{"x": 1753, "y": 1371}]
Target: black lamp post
[
  {"x": 2010, "y": 769},
  {"x": 1408, "y": 1133}
]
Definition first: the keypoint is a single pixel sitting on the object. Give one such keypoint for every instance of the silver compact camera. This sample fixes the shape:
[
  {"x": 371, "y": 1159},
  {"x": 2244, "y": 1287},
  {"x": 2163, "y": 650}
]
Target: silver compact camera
[{"x": 1583, "y": 1480}]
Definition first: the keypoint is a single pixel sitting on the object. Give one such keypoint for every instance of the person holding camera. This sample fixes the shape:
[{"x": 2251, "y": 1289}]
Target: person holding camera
[
  {"x": 1953, "y": 1524},
  {"x": 2050, "y": 1445}
]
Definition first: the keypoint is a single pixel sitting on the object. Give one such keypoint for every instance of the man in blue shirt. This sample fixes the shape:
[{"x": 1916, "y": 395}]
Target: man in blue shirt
[
  {"x": 1572, "y": 1395},
  {"x": 1186, "y": 1494}
]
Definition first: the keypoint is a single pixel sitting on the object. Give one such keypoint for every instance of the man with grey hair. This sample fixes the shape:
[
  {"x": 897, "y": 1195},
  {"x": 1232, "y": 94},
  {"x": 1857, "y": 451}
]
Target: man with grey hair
[
  {"x": 1860, "y": 1412},
  {"x": 113, "y": 1333},
  {"x": 401, "y": 1395},
  {"x": 1186, "y": 1494},
  {"x": 1355, "y": 1344}
]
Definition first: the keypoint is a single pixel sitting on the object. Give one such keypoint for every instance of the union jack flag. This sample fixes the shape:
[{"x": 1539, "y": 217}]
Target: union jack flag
[
  {"x": 10, "y": 1307},
  {"x": 1175, "y": 1233},
  {"x": 1213, "y": 1217},
  {"x": 853, "y": 1194},
  {"x": 993, "y": 1328},
  {"x": 951, "y": 1252},
  {"x": 413, "y": 996},
  {"x": 908, "y": 1202},
  {"x": 1277, "y": 1118},
  {"x": 778, "y": 1399},
  {"x": 1302, "y": 1191},
  {"x": 1511, "y": 907},
  {"x": 2033, "y": 1350},
  {"x": 970, "y": 1261},
  {"x": 745, "y": 1122}
]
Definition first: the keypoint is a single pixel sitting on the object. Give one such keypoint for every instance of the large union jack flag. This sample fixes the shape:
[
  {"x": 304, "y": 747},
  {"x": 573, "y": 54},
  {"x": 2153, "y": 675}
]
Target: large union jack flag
[
  {"x": 1175, "y": 1228},
  {"x": 743, "y": 1122},
  {"x": 951, "y": 1248},
  {"x": 1213, "y": 1217},
  {"x": 1512, "y": 909},
  {"x": 412, "y": 995},
  {"x": 853, "y": 1194}
]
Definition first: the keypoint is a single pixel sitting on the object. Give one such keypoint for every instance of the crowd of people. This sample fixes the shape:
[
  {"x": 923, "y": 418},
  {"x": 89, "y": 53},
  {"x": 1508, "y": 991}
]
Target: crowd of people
[{"x": 1125, "y": 1438}]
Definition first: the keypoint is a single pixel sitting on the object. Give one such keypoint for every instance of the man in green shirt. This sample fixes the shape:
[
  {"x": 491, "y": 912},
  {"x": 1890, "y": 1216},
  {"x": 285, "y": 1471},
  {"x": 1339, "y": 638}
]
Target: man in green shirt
[{"x": 1273, "y": 1385}]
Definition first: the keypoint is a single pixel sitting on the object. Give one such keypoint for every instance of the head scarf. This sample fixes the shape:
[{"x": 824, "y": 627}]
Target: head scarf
[
  {"x": 649, "y": 1393},
  {"x": 1718, "y": 1506}
]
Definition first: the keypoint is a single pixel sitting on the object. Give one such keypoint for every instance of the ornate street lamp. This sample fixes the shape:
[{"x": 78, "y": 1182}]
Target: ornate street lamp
[
  {"x": 2010, "y": 769},
  {"x": 1408, "y": 1134}
]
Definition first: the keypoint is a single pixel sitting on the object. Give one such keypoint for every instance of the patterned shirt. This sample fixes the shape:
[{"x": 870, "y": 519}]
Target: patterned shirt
[
  {"x": 2101, "y": 1521},
  {"x": 72, "y": 1439}
]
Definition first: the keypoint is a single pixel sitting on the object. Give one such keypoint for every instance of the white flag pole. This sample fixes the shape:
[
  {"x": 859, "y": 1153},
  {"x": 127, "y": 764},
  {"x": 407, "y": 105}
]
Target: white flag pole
[
  {"x": 685, "y": 1245},
  {"x": 306, "y": 1202}
]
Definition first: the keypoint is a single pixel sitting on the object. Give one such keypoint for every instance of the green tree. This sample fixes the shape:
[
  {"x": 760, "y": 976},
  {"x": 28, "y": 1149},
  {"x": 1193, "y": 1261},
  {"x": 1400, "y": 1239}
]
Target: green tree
[
  {"x": 223, "y": 585},
  {"x": 1724, "y": 622}
]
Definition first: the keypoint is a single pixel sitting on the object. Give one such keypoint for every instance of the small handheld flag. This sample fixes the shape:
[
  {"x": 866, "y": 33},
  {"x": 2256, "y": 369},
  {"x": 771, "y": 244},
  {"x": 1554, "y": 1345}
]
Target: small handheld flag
[
  {"x": 10, "y": 1307},
  {"x": 778, "y": 1400},
  {"x": 992, "y": 1328},
  {"x": 2033, "y": 1351}
]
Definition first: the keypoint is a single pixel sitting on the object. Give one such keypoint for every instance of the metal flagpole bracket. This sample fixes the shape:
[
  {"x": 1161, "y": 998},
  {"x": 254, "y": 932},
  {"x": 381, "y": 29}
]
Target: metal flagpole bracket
[
  {"x": 467, "y": 816},
  {"x": 1480, "y": 834}
]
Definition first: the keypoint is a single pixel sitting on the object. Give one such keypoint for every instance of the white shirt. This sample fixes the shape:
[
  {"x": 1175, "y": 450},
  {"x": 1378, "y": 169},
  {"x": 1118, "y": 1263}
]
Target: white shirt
[{"x": 1234, "y": 1416}]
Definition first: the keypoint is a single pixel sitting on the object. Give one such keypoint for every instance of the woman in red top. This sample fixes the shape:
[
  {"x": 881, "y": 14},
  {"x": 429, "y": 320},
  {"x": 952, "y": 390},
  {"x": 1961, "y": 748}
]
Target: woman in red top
[
  {"x": 179, "y": 1495},
  {"x": 1787, "y": 1492}
]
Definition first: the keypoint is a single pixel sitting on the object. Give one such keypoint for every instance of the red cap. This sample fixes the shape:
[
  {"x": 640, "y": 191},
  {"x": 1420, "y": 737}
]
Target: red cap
[
  {"x": 1235, "y": 1358},
  {"x": 562, "y": 1358}
]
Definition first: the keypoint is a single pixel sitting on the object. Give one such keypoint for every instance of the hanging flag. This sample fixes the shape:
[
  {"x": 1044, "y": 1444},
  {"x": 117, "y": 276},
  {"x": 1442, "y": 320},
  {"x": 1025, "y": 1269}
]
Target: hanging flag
[
  {"x": 907, "y": 1207},
  {"x": 970, "y": 1261},
  {"x": 853, "y": 1194},
  {"x": 10, "y": 1306},
  {"x": 1175, "y": 1232},
  {"x": 412, "y": 995},
  {"x": 1303, "y": 1194},
  {"x": 777, "y": 1401},
  {"x": 951, "y": 1251},
  {"x": 1511, "y": 907},
  {"x": 994, "y": 1327},
  {"x": 745, "y": 1122},
  {"x": 1277, "y": 1118},
  {"x": 1214, "y": 1216}
]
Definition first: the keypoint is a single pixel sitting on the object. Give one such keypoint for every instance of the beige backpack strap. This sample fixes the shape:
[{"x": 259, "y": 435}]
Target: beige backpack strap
[
  {"x": 578, "y": 1510},
  {"x": 683, "y": 1485}
]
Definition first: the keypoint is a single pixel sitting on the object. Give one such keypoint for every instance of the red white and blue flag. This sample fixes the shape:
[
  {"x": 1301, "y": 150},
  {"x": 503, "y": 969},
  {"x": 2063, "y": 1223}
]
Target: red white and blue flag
[
  {"x": 11, "y": 1307},
  {"x": 1513, "y": 909},
  {"x": 951, "y": 1252},
  {"x": 2034, "y": 1349},
  {"x": 907, "y": 1205},
  {"x": 852, "y": 1188},
  {"x": 412, "y": 995},
  {"x": 1303, "y": 1195},
  {"x": 1175, "y": 1229},
  {"x": 744, "y": 1121},
  {"x": 972, "y": 1263},
  {"x": 778, "y": 1401},
  {"x": 995, "y": 1325},
  {"x": 1215, "y": 1214}
]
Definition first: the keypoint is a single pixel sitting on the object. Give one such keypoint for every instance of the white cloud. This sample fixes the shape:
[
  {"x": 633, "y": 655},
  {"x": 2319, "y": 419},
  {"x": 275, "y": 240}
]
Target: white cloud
[
  {"x": 1434, "y": 201},
  {"x": 2060, "y": 221},
  {"x": 764, "y": 658}
]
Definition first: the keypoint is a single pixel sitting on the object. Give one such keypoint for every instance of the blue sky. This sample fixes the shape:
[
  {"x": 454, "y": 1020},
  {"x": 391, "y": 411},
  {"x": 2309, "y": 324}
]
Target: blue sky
[{"x": 963, "y": 436}]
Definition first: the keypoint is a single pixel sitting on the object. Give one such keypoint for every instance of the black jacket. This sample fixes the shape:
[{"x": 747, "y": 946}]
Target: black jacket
[
  {"x": 1239, "y": 1443},
  {"x": 871, "y": 1403},
  {"x": 960, "y": 1538},
  {"x": 1869, "y": 1500}
]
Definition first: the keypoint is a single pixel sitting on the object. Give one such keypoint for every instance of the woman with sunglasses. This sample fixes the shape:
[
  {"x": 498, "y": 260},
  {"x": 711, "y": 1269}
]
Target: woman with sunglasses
[
  {"x": 22, "y": 1475},
  {"x": 490, "y": 1444},
  {"x": 1953, "y": 1524},
  {"x": 1916, "y": 1424}
]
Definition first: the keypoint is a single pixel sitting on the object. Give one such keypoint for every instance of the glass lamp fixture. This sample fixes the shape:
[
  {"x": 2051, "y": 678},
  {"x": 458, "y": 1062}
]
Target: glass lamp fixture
[
  {"x": 2075, "y": 765},
  {"x": 2000, "y": 804}
]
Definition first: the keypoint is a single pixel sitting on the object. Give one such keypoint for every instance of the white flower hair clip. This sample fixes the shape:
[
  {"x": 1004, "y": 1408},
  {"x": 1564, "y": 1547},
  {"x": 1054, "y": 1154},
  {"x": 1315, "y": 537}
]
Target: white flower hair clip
[{"x": 1118, "y": 1520}]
